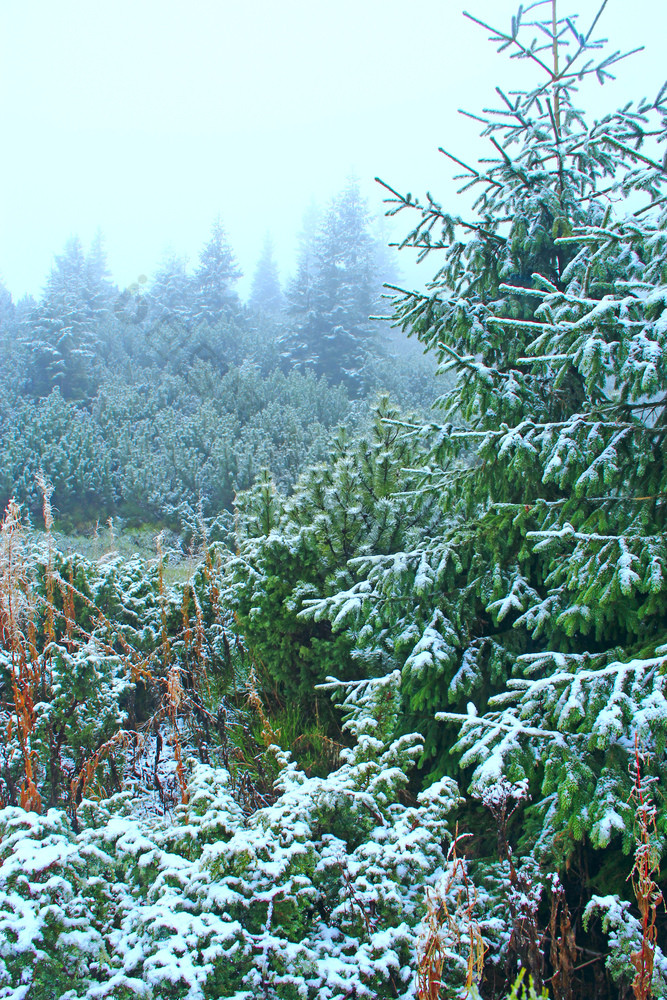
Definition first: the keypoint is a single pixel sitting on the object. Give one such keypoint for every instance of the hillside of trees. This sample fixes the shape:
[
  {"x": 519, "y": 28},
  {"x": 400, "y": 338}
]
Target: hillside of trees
[
  {"x": 401, "y": 731},
  {"x": 159, "y": 402}
]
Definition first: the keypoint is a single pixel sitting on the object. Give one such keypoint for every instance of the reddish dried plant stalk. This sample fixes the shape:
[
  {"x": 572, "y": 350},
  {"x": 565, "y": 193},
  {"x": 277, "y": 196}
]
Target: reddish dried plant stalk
[
  {"x": 444, "y": 930},
  {"x": 647, "y": 892},
  {"x": 18, "y": 636}
]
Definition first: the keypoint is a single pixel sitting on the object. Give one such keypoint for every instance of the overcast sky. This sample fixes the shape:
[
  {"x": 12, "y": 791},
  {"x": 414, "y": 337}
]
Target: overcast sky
[{"x": 147, "y": 118}]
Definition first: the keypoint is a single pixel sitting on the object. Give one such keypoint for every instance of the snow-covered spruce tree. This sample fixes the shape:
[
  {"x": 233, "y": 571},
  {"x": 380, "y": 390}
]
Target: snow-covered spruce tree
[
  {"x": 63, "y": 334},
  {"x": 543, "y": 603},
  {"x": 170, "y": 293},
  {"x": 13, "y": 353},
  {"x": 266, "y": 294},
  {"x": 215, "y": 278},
  {"x": 169, "y": 317},
  {"x": 336, "y": 290}
]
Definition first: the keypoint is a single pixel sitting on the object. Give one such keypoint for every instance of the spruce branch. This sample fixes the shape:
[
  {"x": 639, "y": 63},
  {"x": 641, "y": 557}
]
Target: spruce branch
[
  {"x": 505, "y": 40},
  {"x": 475, "y": 173},
  {"x": 634, "y": 154}
]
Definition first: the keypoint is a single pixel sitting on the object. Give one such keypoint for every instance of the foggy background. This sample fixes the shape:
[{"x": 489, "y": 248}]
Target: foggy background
[{"x": 148, "y": 118}]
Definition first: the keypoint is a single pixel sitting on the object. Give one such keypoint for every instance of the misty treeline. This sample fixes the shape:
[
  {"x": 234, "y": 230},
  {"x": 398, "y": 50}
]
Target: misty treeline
[
  {"x": 158, "y": 402},
  {"x": 401, "y": 731}
]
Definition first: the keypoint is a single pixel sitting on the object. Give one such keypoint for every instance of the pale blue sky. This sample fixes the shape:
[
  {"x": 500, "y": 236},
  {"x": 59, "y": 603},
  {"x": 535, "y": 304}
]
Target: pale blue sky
[{"x": 147, "y": 118}]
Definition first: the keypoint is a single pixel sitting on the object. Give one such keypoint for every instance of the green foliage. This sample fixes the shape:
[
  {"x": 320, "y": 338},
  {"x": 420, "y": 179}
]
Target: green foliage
[
  {"x": 304, "y": 738},
  {"x": 522, "y": 990},
  {"x": 624, "y": 934},
  {"x": 149, "y": 448},
  {"x": 49, "y": 898},
  {"x": 142, "y": 403},
  {"x": 62, "y": 440},
  {"x": 291, "y": 550},
  {"x": 526, "y": 610}
]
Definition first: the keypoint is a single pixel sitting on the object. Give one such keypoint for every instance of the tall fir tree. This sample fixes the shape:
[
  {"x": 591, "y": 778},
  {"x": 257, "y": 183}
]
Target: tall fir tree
[
  {"x": 266, "y": 294},
  {"x": 64, "y": 334},
  {"x": 215, "y": 279},
  {"x": 296, "y": 344},
  {"x": 13, "y": 353},
  {"x": 99, "y": 290},
  {"x": 101, "y": 296},
  {"x": 334, "y": 294},
  {"x": 169, "y": 317},
  {"x": 7, "y": 308},
  {"x": 170, "y": 294}
]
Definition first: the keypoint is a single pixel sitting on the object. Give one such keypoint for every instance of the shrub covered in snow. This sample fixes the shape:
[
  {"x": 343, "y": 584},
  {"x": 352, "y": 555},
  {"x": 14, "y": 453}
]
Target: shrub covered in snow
[{"x": 318, "y": 895}]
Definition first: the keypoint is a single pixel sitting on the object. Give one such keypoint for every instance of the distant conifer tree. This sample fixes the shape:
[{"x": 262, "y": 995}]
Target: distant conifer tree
[
  {"x": 64, "y": 332},
  {"x": 266, "y": 294},
  {"x": 215, "y": 278},
  {"x": 335, "y": 291}
]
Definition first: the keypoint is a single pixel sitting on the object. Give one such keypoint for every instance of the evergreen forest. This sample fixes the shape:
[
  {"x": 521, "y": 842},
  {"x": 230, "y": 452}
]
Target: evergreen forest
[{"x": 333, "y": 623}]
